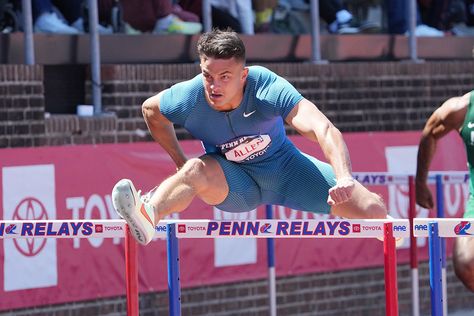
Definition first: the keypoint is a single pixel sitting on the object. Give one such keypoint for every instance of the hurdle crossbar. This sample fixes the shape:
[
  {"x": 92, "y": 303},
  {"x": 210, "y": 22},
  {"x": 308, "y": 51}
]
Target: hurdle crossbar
[
  {"x": 388, "y": 178},
  {"x": 331, "y": 228},
  {"x": 447, "y": 227}
]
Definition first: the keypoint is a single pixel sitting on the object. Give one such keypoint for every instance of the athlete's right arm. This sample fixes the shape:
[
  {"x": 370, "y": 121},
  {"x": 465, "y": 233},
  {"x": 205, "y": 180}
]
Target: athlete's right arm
[
  {"x": 162, "y": 130},
  {"x": 448, "y": 117}
]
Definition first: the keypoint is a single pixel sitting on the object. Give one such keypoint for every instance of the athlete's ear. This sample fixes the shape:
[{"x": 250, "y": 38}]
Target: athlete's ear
[{"x": 245, "y": 73}]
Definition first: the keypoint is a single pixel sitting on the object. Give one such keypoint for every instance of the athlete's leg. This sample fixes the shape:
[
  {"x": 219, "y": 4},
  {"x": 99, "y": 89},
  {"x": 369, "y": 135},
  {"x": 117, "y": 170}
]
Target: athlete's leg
[
  {"x": 463, "y": 253},
  {"x": 211, "y": 178},
  {"x": 463, "y": 260},
  {"x": 202, "y": 177},
  {"x": 362, "y": 204},
  {"x": 305, "y": 185}
]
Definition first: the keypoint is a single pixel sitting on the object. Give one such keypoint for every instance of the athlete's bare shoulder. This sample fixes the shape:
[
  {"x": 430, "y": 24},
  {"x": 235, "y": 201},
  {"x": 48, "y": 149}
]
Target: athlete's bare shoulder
[{"x": 453, "y": 111}]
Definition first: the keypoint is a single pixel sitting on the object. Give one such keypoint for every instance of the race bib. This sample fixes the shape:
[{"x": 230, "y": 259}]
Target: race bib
[{"x": 246, "y": 148}]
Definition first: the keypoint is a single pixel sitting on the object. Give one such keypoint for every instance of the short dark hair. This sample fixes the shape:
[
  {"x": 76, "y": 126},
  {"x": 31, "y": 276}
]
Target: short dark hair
[{"x": 222, "y": 44}]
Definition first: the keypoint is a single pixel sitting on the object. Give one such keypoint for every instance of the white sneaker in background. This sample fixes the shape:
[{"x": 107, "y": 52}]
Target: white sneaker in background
[
  {"x": 49, "y": 22},
  {"x": 461, "y": 29},
  {"x": 133, "y": 207},
  {"x": 423, "y": 30},
  {"x": 171, "y": 24},
  {"x": 79, "y": 25}
]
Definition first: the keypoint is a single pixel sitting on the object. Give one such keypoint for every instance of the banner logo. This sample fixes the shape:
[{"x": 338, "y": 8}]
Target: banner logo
[
  {"x": 356, "y": 228},
  {"x": 265, "y": 229},
  {"x": 461, "y": 228},
  {"x": 29, "y": 195},
  {"x": 30, "y": 209}
]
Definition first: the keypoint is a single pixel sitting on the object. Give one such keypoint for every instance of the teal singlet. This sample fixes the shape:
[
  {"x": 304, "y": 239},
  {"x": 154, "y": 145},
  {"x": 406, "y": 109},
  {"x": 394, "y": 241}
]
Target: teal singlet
[
  {"x": 467, "y": 135},
  {"x": 261, "y": 165}
]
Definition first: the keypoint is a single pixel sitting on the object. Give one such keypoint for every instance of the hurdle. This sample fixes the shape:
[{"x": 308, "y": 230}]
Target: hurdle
[
  {"x": 333, "y": 228},
  {"x": 456, "y": 177},
  {"x": 436, "y": 229},
  {"x": 271, "y": 266},
  {"x": 386, "y": 179},
  {"x": 436, "y": 178}
]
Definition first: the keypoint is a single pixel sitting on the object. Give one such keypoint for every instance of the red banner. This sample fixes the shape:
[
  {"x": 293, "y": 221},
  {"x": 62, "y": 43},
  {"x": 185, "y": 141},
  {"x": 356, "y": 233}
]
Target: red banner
[{"x": 75, "y": 183}]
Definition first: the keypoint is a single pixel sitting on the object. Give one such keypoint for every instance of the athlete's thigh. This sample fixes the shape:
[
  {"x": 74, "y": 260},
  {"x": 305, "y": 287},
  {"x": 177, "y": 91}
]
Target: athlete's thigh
[
  {"x": 304, "y": 183},
  {"x": 463, "y": 253},
  {"x": 215, "y": 188},
  {"x": 243, "y": 192}
]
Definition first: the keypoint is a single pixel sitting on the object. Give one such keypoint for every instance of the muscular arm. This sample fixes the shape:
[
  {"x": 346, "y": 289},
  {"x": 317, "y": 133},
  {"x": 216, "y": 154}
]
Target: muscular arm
[
  {"x": 162, "y": 130},
  {"x": 445, "y": 119},
  {"x": 311, "y": 123}
]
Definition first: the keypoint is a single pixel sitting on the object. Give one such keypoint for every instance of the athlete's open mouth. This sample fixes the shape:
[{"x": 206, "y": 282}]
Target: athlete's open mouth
[{"x": 215, "y": 96}]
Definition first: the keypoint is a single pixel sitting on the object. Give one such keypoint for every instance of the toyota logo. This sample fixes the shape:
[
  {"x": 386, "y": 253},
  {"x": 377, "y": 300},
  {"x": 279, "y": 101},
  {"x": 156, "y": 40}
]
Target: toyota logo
[{"x": 30, "y": 208}]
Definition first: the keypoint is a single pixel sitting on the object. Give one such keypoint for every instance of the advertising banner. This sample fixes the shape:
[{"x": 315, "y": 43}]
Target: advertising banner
[{"x": 75, "y": 183}]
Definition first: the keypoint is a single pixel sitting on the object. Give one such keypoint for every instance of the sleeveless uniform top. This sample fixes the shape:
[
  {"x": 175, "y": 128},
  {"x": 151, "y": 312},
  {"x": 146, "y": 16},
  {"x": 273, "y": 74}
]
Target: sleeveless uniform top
[
  {"x": 467, "y": 135},
  {"x": 251, "y": 132}
]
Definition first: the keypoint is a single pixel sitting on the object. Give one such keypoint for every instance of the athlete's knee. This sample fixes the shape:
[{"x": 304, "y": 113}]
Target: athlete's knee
[
  {"x": 464, "y": 270},
  {"x": 375, "y": 207},
  {"x": 463, "y": 261},
  {"x": 197, "y": 173},
  {"x": 149, "y": 108}
]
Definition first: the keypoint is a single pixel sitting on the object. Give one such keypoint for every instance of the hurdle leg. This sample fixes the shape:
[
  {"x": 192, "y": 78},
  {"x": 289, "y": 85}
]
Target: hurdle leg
[
  {"x": 435, "y": 270},
  {"x": 271, "y": 266},
  {"x": 440, "y": 214},
  {"x": 131, "y": 273},
  {"x": 415, "y": 281},
  {"x": 174, "y": 288},
  {"x": 390, "y": 264}
]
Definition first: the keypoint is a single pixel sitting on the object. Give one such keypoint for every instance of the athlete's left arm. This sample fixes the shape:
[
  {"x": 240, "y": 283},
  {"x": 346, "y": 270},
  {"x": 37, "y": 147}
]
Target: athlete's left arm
[
  {"x": 448, "y": 117},
  {"x": 306, "y": 118}
]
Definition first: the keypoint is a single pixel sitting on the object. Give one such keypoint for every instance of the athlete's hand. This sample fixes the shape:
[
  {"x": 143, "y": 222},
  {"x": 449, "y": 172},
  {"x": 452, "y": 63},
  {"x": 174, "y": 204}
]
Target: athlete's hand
[
  {"x": 423, "y": 195},
  {"x": 342, "y": 191}
]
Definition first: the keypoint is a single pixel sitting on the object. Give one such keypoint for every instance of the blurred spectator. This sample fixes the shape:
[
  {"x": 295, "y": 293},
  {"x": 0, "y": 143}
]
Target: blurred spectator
[
  {"x": 109, "y": 18},
  {"x": 263, "y": 14},
  {"x": 240, "y": 10},
  {"x": 465, "y": 27},
  {"x": 469, "y": 5},
  {"x": 67, "y": 17},
  {"x": 156, "y": 16},
  {"x": 9, "y": 21},
  {"x": 447, "y": 15},
  {"x": 338, "y": 19},
  {"x": 397, "y": 20},
  {"x": 49, "y": 19},
  {"x": 234, "y": 14},
  {"x": 341, "y": 21}
]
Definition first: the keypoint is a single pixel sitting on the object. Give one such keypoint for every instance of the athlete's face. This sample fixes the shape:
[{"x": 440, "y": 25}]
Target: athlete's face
[{"x": 224, "y": 82}]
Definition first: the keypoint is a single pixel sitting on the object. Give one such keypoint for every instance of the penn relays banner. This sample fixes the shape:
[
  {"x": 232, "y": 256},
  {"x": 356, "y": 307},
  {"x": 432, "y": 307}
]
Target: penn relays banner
[{"x": 75, "y": 182}]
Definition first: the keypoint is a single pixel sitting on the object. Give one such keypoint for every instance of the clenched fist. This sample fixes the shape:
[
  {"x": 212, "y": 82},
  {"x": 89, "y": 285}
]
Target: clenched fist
[{"x": 342, "y": 191}]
